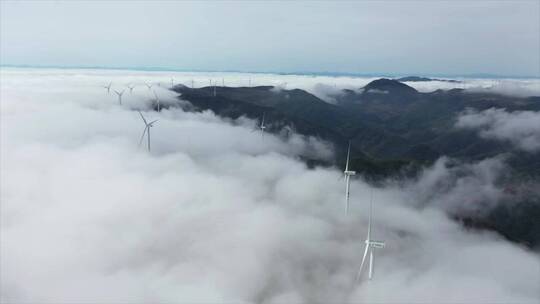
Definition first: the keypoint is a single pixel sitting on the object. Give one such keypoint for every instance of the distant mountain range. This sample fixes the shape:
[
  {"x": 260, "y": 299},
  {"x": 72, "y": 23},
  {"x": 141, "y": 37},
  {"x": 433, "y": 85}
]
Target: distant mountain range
[
  {"x": 386, "y": 121},
  {"x": 394, "y": 130},
  {"x": 417, "y": 79}
]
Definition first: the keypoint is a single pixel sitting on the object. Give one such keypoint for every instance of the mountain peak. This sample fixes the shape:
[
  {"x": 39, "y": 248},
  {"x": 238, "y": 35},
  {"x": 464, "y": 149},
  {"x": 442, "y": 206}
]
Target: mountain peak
[{"x": 384, "y": 85}]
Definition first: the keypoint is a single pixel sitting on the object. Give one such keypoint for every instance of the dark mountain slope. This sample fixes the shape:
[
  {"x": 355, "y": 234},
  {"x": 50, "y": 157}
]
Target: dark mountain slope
[{"x": 386, "y": 121}]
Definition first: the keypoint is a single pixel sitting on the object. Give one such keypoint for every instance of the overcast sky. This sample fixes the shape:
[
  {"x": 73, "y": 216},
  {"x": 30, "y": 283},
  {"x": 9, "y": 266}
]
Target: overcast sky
[{"x": 392, "y": 37}]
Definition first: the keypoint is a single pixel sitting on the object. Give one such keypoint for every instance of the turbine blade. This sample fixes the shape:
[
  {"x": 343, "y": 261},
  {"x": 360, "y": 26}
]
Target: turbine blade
[
  {"x": 142, "y": 137},
  {"x": 348, "y": 153},
  {"x": 153, "y": 121},
  {"x": 370, "y": 213},
  {"x": 370, "y": 273},
  {"x": 359, "y": 274},
  {"x": 142, "y": 117}
]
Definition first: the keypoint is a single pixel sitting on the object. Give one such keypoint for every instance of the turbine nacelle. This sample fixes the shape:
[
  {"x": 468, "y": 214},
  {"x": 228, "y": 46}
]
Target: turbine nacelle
[
  {"x": 349, "y": 173},
  {"x": 375, "y": 244}
]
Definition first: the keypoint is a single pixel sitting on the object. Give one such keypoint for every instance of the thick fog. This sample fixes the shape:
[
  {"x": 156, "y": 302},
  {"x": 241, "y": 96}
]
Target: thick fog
[{"x": 217, "y": 213}]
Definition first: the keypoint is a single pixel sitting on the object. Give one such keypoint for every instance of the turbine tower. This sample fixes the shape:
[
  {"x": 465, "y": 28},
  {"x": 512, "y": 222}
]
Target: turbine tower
[
  {"x": 108, "y": 87},
  {"x": 348, "y": 173},
  {"x": 370, "y": 246},
  {"x": 215, "y": 88},
  {"x": 157, "y": 101},
  {"x": 147, "y": 126},
  {"x": 119, "y": 96},
  {"x": 172, "y": 82}
]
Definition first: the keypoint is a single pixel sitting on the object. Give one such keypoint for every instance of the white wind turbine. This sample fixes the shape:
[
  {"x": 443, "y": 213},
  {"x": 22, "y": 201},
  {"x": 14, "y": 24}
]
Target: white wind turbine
[
  {"x": 370, "y": 246},
  {"x": 108, "y": 87},
  {"x": 157, "y": 101},
  {"x": 348, "y": 173},
  {"x": 262, "y": 126},
  {"x": 119, "y": 96},
  {"x": 148, "y": 85},
  {"x": 147, "y": 126},
  {"x": 130, "y": 87},
  {"x": 172, "y": 82}
]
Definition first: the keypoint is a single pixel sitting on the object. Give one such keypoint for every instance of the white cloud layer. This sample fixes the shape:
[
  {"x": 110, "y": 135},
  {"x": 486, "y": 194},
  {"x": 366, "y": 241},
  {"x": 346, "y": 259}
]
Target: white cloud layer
[
  {"x": 217, "y": 214},
  {"x": 521, "y": 128}
]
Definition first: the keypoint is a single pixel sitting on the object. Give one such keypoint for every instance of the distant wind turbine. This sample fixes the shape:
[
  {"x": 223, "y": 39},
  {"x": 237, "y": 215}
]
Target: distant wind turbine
[
  {"x": 192, "y": 83},
  {"x": 172, "y": 82},
  {"x": 157, "y": 101},
  {"x": 147, "y": 126},
  {"x": 348, "y": 173},
  {"x": 148, "y": 85},
  {"x": 370, "y": 246},
  {"x": 130, "y": 87},
  {"x": 215, "y": 89},
  {"x": 108, "y": 87},
  {"x": 119, "y": 96},
  {"x": 262, "y": 126},
  {"x": 222, "y": 82}
]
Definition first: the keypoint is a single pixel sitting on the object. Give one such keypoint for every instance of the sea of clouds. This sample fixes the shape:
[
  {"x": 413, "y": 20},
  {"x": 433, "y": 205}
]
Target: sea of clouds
[{"x": 216, "y": 213}]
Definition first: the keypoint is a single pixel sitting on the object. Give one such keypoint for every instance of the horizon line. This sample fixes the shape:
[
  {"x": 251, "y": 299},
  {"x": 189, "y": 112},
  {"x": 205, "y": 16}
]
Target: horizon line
[{"x": 299, "y": 73}]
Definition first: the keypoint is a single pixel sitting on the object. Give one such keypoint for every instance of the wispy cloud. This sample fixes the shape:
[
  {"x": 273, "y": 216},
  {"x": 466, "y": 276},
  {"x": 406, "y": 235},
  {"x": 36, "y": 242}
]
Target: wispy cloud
[{"x": 521, "y": 128}]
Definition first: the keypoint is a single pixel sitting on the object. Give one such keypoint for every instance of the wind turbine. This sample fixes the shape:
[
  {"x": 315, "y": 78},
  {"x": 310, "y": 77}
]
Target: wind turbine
[
  {"x": 130, "y": 87},
  {"x": 215, "y": 88},
  {"x": 262, "y": 126},
  {"x": 119, "y": 96},
  {"x": 157, "y": 101},
  {"x": 222, "y": 82},
  {"x": 370, "y": 246},
  {"x": 108, "y": 87},
  {"x": 172, "y": 82},
  {"x": 348, "y": 173},
  {"x": 148, "y": 85},
  {"x": 147, "y": 126},
  {"x": 192, "y": 83}
]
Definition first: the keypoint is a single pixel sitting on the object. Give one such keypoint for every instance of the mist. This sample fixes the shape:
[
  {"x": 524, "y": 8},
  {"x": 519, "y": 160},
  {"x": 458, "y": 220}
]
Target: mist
[
  {"x": 521, "y": 128},
  {"x": 217, "y": 213}
]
